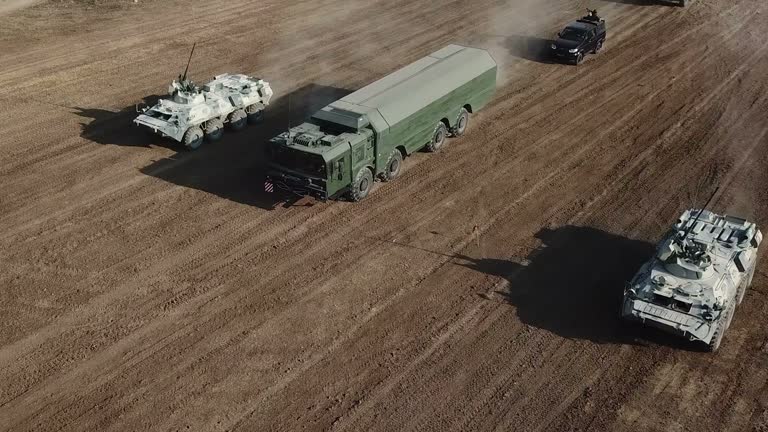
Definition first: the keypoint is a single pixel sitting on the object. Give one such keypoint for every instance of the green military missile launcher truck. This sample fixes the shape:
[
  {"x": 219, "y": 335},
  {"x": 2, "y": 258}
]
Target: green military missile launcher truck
[{"x": 364, "y": 136}]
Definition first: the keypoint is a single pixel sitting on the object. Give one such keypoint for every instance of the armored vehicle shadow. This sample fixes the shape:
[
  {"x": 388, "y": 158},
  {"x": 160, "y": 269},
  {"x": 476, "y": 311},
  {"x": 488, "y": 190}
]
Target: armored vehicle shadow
[
  {"x": 115, "y": 127},
  {"x": 234, "y": 167},
  {"x": 573, "y": 284}
]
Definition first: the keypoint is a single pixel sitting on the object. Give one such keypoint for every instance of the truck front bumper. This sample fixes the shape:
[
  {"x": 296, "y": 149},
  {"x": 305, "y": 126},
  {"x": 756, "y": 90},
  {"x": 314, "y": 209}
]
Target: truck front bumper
[
  {"x": 295, "y": 185},
  {"x": 564, "y": 56}
]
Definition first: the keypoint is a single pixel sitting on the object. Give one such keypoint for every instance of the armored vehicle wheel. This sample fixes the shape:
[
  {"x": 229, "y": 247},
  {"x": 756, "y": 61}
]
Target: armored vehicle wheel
[
  {"x": 598, "y": 47},
  {"x": 722, "y": 326},
  {"x": 362, "y": 185},
  {"x": 740, "y": 293},
  {"x": 461, "y": 123},
  {"x": 745, "y": 283},
  {"x": 438, "y": 137},
  {"x": 237, "y": 119},
  {"x": 394, "y": 164},
  {"x": 255, "y": 113},
  {"x": 717, "y": 339},
  {"x": 193, "y": 138},
  {"x": 579, "y": 58},
  {"x": 214, "y": 129}
]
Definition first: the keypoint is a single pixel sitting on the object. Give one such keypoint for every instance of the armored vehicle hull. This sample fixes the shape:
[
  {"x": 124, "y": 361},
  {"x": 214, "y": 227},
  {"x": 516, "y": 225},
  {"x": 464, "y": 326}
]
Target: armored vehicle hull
[
  {"x": 698, "y": 276},
  {"x": 192, "y": 113}
]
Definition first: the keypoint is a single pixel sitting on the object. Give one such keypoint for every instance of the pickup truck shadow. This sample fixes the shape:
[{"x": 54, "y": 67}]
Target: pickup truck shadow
[
  {"x": 234, "y": 167},
  {"x": 572, "y": 285},
  {"x": 647, "y": 2},
  {"x": 529, "y": 48}
]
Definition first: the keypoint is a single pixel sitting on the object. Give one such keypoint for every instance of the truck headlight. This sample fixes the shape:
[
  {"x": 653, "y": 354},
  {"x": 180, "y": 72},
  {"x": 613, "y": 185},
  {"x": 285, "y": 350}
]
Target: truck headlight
[
  {"x": 553, "y": 46},
  {"x": 573, "y": 51}
]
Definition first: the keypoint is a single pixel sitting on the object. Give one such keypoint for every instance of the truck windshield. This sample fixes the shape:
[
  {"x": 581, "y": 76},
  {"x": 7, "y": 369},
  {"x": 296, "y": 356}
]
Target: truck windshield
[
  {"x": 331, "y": 128},
  {"x": 297, "y": 160},
  {"x": 573, "y": 34}
]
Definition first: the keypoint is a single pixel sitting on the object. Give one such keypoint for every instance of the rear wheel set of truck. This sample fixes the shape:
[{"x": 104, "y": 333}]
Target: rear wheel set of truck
[{"x": 363, "y": 183}]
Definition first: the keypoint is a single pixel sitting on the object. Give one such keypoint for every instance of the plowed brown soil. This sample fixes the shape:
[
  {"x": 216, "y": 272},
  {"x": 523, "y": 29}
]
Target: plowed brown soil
[{"x": 146, "y": 288}]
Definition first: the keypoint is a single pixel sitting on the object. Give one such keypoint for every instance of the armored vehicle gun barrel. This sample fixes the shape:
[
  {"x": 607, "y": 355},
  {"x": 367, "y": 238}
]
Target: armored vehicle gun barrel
[
  {"x": 706, "y": 205},
  {"x": 186, "y": 69}
]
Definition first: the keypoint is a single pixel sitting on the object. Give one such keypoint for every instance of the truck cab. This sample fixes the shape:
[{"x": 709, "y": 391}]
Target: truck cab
[{"x": 321, "y": 156}]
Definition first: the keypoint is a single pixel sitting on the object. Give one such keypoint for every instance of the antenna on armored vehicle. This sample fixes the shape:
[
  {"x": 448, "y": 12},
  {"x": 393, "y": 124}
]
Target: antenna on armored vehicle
[
  {"x": 701, "y": 210},
  {"x": 184, "y": 77}
]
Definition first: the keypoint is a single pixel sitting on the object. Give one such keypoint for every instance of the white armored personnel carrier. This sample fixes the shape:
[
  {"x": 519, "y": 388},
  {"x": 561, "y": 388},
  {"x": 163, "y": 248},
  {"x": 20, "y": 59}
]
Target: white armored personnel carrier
[
  {"x": 193, "y": 113},
  {"x": 697, "y": 277}
]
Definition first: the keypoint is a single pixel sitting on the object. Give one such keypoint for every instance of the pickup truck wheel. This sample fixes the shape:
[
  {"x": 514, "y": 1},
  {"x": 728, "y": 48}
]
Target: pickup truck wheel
[
  {"x": 255, "y": 113},
  {"x": 438, "y": 137},
  {"x": 394, "y": 165},
  {"x": 237, "y": 119},
  {"x": 193, "y": 138},
  {"x": 598, "y": 46},
  {"x": 461, "y": 123},
  {"x": 362, "y": 185},
  {"x": 579, "y": 58},
  {"x": 214, "y": 129}
]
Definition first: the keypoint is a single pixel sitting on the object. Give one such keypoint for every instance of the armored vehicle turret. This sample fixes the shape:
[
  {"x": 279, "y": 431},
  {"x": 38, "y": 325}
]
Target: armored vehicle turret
[
  {"x": 699, "y": 274},
  {"x": 193, "y": 113}
]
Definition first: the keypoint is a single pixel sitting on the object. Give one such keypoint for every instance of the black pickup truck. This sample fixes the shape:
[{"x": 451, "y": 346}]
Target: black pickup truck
[{"x": 583, "y": 36}]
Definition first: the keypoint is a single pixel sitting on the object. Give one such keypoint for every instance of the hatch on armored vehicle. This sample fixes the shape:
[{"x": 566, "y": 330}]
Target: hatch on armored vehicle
[
  {"x": 697, "y": 277},
  {"x": 194, "y": 113}
]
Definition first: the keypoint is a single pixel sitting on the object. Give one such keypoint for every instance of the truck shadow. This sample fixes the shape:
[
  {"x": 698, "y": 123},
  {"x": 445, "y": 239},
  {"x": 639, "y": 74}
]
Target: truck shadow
[
  {"x": 573, "y": 284},
  {"x": 231, "y": 168}
]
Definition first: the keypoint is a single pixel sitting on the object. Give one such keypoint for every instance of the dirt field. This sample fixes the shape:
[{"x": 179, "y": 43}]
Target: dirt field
[{"x": 147, "y": 288}]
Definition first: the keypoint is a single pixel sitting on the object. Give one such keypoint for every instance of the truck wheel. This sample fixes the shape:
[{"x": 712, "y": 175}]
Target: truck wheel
[
  {"x": 461, "y": 123},
  {"x": 237, "y": 119},
  {"x": 394, "y": 164},
  {"x": 214, "y": 129},
  {"x": 682, "y": 3},
  {"x": 438, "y": 137},
  {"x": 579, "y": 58},
  {"x": 255, "y": 113},
  {"x": 193, "y": 138},
  {"x": 362, "y": 185}
]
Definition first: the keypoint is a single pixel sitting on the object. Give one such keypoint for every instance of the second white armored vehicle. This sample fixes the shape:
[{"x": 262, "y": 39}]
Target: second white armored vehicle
[
  {"x": 698, "y": 276},
  {"x": 194, "y": 113}
]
